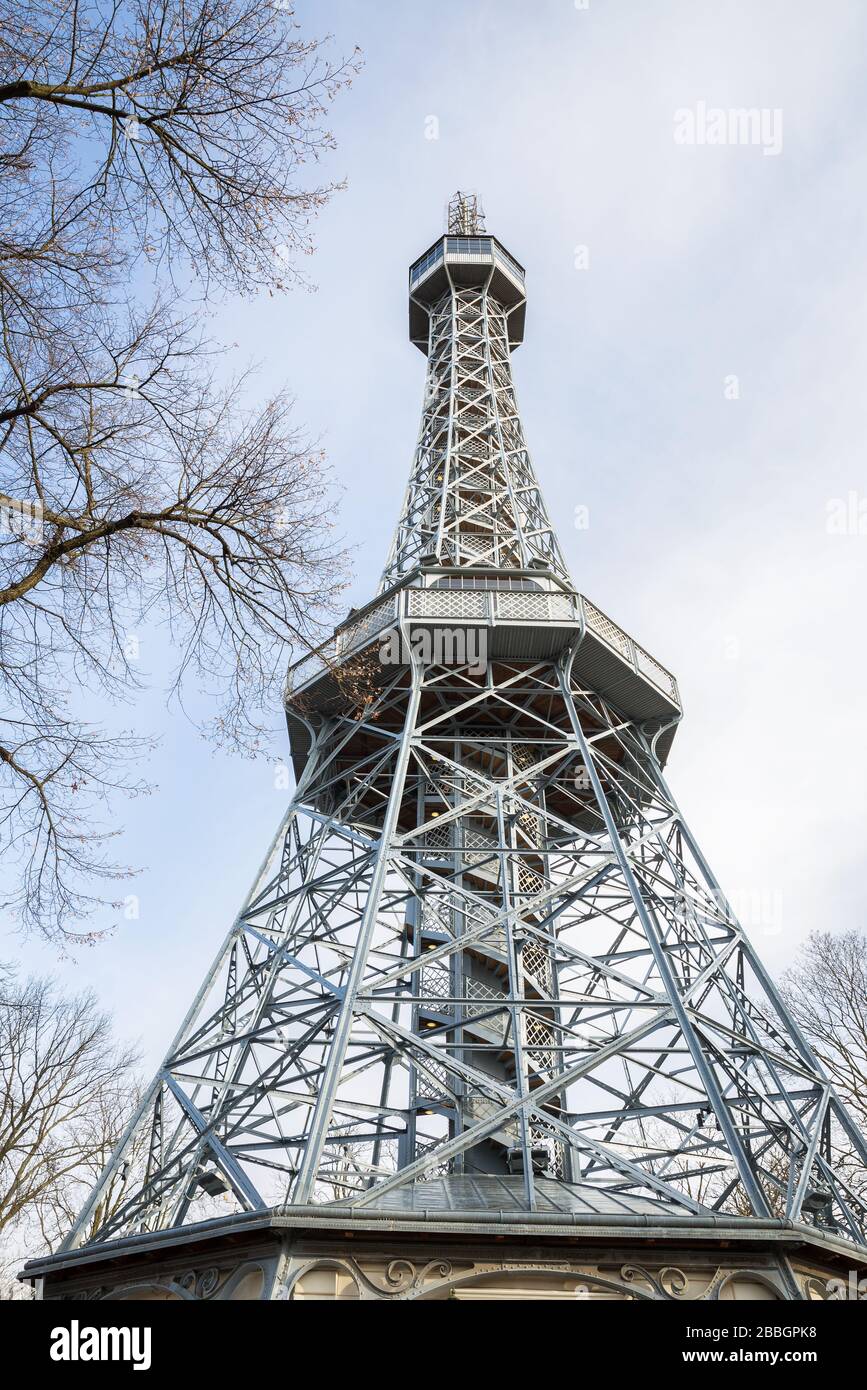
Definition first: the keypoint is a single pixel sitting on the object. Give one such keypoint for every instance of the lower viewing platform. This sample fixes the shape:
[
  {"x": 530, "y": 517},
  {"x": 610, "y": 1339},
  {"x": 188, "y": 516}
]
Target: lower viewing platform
[{"x": 520, "y": 615}]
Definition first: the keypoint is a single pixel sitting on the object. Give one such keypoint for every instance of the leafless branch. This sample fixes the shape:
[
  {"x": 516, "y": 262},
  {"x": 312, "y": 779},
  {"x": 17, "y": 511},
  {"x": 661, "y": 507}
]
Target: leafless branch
[{"x": 138, "y": 144}]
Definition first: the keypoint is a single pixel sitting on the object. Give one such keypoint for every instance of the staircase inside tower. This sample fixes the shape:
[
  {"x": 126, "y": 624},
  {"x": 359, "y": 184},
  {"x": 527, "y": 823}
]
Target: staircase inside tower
[
  {"x": 468, "y": 997},
  {"x": 471, "y": 851}
]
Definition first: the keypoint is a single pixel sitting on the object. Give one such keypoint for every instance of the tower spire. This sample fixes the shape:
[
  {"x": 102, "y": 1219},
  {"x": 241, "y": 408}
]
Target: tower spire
[{"x": 465, "y": 215}]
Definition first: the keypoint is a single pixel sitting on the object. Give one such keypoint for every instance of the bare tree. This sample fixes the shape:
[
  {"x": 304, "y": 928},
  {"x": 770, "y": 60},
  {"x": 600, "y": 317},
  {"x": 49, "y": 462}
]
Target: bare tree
[
  {"x": 826, "y": 991},
  {"x": 101, "y": 1127},
  {"x": 65, "y": 1085},
  {"x": 160, "y": 144}
]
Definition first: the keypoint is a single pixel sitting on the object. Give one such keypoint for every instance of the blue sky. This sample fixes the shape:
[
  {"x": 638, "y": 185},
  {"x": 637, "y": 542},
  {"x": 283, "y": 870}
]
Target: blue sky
[{"x": 708, "y": 537}]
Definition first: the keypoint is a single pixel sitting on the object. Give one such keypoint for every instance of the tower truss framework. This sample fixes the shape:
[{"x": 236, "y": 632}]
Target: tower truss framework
[{"x": 485, "y": 958}]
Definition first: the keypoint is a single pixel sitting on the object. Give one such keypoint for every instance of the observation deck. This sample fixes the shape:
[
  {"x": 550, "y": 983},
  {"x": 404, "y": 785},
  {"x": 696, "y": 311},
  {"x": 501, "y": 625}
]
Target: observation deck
[
  {"x": 466, "y": 261},
  {"x": 526, "y": 615}
]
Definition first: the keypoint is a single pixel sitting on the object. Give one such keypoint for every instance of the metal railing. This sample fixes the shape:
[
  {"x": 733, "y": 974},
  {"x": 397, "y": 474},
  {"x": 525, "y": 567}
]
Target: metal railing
[
  {"x": 487, "y": 607},
  {"x": 619, "y": 641}
]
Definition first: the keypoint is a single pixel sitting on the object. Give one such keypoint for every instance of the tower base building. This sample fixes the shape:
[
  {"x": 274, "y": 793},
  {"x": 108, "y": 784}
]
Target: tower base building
[{"x": 464, "y": 1239}]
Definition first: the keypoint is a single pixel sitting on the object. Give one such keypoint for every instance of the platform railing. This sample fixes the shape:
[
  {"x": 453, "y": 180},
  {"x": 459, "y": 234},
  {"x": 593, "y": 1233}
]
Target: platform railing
[{"x": 487, "y": 607}]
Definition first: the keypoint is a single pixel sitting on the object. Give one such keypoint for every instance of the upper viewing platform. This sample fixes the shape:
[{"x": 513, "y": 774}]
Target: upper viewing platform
[
  {"x": 465, "y": 261},
  {"x": 465, "y": 257}
]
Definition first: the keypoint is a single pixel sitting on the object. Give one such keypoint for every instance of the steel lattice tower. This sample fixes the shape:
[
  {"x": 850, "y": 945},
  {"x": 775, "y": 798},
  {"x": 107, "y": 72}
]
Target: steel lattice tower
[{"x": 485, "y": 964}]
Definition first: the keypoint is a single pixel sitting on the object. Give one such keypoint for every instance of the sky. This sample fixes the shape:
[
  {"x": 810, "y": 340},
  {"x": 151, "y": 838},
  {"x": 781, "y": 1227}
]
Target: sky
[{"x": 691, "y": 383}]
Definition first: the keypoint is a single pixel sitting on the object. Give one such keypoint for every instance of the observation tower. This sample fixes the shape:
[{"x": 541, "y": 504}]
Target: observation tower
[{"x": 486, "y": 1024}]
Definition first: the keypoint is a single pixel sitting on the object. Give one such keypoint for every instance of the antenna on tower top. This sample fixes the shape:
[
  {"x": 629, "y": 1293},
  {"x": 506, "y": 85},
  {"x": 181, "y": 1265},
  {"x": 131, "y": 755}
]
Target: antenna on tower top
[{"x": 466, "y": 215}]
